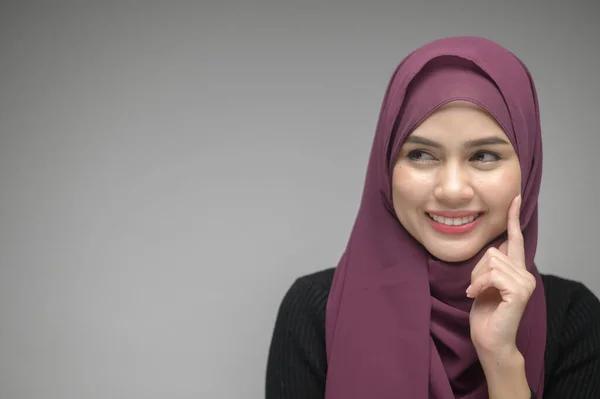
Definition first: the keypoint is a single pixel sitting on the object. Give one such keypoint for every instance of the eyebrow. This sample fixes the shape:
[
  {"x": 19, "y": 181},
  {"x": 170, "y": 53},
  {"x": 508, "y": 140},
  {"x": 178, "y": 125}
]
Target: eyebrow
[{"x": 492, "y": 140}]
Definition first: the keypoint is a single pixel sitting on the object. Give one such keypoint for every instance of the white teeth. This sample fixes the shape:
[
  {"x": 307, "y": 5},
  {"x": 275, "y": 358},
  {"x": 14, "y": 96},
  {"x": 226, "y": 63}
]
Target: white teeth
[{"x": 452, "y": 221}]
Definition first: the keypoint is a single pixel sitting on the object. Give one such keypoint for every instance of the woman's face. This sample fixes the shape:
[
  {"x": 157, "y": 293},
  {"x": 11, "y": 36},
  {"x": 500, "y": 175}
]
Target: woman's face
[{"x": 453, "y": 181}]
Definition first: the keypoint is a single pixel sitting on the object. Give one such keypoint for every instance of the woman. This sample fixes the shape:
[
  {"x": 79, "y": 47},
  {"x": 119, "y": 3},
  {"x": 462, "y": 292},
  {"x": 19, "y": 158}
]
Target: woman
[{"x": 437, "y": 294}]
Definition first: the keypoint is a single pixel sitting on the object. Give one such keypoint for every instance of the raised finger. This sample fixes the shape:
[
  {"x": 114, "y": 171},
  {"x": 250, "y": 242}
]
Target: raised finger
[{"x": 515, "y": 247}]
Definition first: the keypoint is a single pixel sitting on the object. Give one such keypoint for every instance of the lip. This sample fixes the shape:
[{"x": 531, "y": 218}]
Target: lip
[
  {"x": 454, "y": 214},
  {"x": 454, "y": 230}
]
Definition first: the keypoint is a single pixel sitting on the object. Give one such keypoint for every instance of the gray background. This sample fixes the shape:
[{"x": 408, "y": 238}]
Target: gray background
[{"x": 168, "y": 168}]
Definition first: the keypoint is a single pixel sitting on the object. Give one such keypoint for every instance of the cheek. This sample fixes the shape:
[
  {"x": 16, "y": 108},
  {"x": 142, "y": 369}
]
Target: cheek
[
  {"x": 498, "y": 189},
  {"x": 410, "y": 187}
]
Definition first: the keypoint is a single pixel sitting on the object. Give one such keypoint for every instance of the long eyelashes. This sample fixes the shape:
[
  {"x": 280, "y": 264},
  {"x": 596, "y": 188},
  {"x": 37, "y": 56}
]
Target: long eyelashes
[
  {"x": 480, "y": 156},
  {"x": 420, "y": 156},
  {"x": 486, "y": 156}
]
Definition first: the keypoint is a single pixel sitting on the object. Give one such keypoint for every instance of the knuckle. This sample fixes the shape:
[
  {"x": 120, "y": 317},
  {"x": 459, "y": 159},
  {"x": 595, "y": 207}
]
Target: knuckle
[
  {"x": 492, "y": 251},
  {"x": 494, "y": 262},
  {"x": 530, "y": 281},
  {"x": 533, "y": 285}
]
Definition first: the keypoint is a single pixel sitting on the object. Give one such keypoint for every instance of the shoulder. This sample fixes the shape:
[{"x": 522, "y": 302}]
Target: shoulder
[
  {"x": 561, "y": 293},
  {"x": 320, "y": 280},
  {"x": 566, "y": 296},
  {"x": 571, "y": 305},
  {"x": 573, "y": 339},
  {"x": 303, "y": 306},
  {"x": 572, "y": 308},
  {"x": 573, "y": 311},
  {"x": 297, "y": 363},
  {"x": 308, "y": 294},
  {"x": 552, "y": 282}
]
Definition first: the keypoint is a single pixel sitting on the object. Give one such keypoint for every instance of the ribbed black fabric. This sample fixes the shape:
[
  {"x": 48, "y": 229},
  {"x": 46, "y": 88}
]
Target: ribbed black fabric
[{"x": 297, "y": 364}]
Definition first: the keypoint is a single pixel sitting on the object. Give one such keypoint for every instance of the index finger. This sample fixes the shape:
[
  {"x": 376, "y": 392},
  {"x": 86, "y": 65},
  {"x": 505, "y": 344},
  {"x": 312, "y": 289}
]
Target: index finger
[{"x": 516, "y": 248}]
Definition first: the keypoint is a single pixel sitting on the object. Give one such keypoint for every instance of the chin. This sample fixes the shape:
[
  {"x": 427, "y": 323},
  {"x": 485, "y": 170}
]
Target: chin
[{"x": 453, "y": 256}]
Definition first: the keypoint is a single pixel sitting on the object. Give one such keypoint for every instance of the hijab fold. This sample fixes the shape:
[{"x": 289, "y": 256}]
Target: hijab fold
[{"x": 397, "y": 319}]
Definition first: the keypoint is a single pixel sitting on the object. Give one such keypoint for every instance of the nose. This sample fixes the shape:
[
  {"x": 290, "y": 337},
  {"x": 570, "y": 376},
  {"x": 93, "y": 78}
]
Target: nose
[{"x": 454, "y": 185}]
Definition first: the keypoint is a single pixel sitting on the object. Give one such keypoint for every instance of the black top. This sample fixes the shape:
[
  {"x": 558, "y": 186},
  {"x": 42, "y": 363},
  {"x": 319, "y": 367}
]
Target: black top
[{"x": 297, "y": 364}]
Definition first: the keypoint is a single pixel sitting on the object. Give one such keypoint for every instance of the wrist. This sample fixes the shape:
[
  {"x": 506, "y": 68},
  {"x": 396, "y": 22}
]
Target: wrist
[
  {"x": 505, "y": 375},
  {"x": 500, "y": 359}
]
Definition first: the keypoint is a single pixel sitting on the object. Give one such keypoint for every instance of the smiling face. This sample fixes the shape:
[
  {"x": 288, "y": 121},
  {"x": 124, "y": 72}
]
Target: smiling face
[{"x": 453, "y": 181}]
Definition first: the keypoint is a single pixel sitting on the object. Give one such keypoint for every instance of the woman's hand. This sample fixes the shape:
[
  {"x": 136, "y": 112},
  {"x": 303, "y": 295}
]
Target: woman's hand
[{"x": 501, "y": 286}]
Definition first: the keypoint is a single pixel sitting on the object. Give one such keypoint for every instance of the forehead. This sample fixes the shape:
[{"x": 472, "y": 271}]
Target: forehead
[{"x": 458, "y": 119}]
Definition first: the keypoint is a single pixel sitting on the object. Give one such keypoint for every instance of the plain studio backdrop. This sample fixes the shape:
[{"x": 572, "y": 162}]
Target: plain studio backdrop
[{"x": 167, "y": 169}]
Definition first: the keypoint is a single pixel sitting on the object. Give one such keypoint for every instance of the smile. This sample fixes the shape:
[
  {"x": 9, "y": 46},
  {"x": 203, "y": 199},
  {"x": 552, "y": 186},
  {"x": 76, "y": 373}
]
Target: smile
[{"x": 453, "y": 221}]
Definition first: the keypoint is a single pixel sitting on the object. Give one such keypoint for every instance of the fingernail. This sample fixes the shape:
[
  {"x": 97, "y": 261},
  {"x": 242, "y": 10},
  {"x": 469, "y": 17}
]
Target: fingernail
[{"x": 468, "y": 291}]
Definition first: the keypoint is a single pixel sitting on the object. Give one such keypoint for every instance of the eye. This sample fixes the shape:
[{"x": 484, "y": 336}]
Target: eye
[
  {"x": 420, "y": 156},
  {"x": 485, "y": 157}
]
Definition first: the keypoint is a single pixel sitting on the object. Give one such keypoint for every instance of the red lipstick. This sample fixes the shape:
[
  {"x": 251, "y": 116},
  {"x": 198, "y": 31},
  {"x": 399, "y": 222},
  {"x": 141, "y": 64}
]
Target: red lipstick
[
  {"x": 459, "y": 229},
  {"x": 454, "y": 214}
]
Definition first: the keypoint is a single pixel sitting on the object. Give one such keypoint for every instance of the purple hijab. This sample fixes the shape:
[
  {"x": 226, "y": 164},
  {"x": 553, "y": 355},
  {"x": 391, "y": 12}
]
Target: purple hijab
[{"x": 397, "y": 321}]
